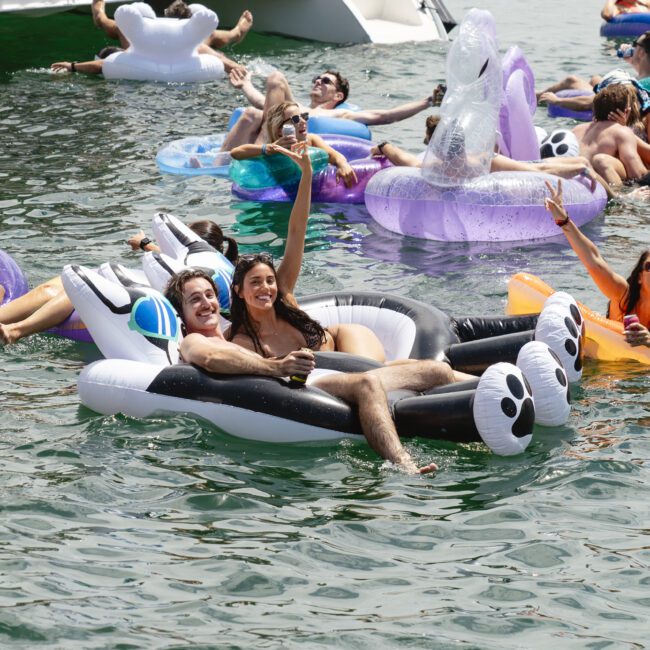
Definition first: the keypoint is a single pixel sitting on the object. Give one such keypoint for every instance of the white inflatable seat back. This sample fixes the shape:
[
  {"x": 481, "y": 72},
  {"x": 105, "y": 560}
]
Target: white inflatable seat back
[
  {"x": 164, "y": 39},
  {"x": 110, "y": 270},
  {"x": 163, "y": 49},
  {"x": 396, "y": 331},
  {"x": 125, "y": 323},
  {"x": 159, "y": 268}
]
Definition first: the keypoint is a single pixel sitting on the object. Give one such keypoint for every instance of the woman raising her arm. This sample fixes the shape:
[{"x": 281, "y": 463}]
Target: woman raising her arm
[
  {"x": 264, "y": 312},
  {"x": 631, "y": 296}
]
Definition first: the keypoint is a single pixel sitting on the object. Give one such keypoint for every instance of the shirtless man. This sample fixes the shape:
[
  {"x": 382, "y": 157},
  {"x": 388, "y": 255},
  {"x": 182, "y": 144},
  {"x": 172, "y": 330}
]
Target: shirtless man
[
  {"x": 616, "y": 7},
  {"x": 329, "y": 89},
  {"x": 217, "y": 40},
  {"x": 193, "y": 294},
  {"x": 613, "y": 149}
]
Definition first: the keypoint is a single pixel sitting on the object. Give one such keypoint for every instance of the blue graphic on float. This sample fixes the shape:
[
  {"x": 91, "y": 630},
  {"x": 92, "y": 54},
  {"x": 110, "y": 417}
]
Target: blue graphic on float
[
  {"x": 154, "y": 317},
  {"x": 222, "y": 279}
]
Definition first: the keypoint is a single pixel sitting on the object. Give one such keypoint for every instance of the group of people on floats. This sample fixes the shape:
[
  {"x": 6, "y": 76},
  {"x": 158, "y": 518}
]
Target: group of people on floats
[{"x": 269, "y": 334}]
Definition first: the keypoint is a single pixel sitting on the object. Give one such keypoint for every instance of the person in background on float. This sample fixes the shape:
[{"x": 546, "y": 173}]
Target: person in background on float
[
  {"x": 631, "y": 296},
  {"x": 637, "y": 55},
  {"x": 613, "y": 149},
  {"x": 178, "y": 9},
  {"x": 563, "y": 166},
  {"x": 289, "y": 113},
  {"x": 614, "y": 8},
  {"x": 328, "y": 91},
  {"x": 48, "y": 305}
]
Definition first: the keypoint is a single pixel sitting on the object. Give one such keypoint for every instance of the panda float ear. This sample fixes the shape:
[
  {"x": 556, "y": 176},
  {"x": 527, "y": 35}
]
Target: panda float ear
[
  {"x": 559, "y": 143},
  {"x": 125, "y": 322},
  {"x": 561, "y": 327}
]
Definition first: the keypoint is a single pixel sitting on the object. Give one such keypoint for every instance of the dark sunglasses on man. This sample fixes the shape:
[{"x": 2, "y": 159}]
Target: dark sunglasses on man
[{"x": 326, "y": 81}]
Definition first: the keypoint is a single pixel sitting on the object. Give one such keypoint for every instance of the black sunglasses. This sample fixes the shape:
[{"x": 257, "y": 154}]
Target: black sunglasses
[
  {"x": 646, "y": 266},
  {"x": 326, "y": 81},
  {"x": 264, "y": 258},
  {"x": 296, "y": 118}
]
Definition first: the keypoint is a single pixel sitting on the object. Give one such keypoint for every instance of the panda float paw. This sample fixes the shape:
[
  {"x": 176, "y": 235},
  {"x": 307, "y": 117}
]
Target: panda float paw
[
  {"x": 562, "y": 327},
  {"x": 504, "y": 411},
  {"x": 554, "y": 358}
]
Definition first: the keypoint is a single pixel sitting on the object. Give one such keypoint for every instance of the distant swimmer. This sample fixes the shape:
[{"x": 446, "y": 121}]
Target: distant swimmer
[{"x": 614, "y": 8}]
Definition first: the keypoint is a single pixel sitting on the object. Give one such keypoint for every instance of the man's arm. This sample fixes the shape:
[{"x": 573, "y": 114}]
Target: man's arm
[
  {"x": 87, "y": 67},
  {"x": 386, "y": 116},
  {"x": 628, "y": 152},
  {"x": 397, "y": 156},
  {"x": 579, "y": 103},
  {"x": 217, "y": 355}
]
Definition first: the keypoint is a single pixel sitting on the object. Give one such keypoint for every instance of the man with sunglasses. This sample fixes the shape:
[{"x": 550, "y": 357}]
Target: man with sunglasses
[{"x": 328, "y": 91}]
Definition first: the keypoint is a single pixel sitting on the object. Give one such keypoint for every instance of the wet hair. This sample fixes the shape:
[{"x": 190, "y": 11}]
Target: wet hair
[
  {"x": 212, "y": 233},
  {"x": 342, "y": 84},
  {"x": 178, "y": 9},
  {"x": 107, "y": 51},
  {"x": 630, "y": 300},
  {"x": 616, "y": 97},
  {"x": 241, "y": 322},
  {"x": 275, "y": 118},
  {"x": 431, "y": 124},
  {"x": 174, "y": 289}
]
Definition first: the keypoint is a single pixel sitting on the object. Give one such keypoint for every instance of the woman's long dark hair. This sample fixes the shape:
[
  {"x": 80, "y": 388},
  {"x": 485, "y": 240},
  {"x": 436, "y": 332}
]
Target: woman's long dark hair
[
  {"x": 240, "y": 320},
  {"x": 212, "y": 233},
  {"x": 631, "y": 297}
]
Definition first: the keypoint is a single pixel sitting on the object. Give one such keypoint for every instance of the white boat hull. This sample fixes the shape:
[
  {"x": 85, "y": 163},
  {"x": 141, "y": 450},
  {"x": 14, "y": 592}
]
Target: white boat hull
[{"x": 330, "y": 21}]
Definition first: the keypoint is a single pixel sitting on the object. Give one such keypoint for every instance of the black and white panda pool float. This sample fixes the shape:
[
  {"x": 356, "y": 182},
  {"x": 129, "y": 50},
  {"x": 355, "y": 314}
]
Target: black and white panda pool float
[{"x": 138, "y": 331}]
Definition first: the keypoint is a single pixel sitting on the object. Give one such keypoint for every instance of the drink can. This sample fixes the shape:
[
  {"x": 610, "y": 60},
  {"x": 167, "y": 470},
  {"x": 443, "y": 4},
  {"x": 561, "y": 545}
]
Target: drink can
[
  {"x": 288, "y": 131},
  {"x": 630, "y": 319}
]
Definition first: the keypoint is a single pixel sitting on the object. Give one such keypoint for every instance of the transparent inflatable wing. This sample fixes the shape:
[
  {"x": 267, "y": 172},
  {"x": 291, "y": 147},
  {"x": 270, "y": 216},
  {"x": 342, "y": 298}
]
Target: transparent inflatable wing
[{"x": 463, "y": 143}]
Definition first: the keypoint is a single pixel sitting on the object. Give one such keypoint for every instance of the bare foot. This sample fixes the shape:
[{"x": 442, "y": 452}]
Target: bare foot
[
  {"x": 8, "y": 334},
  {"x": 242, "y": 27},
  {"x": 98, "y": 12},
  {"x": 194, "y": 163},
  {"x": 427, "y": 469}
]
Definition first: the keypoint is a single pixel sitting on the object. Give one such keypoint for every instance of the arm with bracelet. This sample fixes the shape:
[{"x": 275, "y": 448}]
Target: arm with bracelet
[{"x": 610, "y": 283}]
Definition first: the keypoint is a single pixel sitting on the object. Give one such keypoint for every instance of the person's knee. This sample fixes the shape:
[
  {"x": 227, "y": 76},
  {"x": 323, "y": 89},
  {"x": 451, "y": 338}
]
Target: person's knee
[
  {"x": 276, "y": 79},
  {"x": 368, "y": 385},
  {"x": 251, "y": 116}
]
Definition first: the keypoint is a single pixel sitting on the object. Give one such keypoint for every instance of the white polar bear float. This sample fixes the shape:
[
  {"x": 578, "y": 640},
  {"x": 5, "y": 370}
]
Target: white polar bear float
[{"x": 163, "y": 49}]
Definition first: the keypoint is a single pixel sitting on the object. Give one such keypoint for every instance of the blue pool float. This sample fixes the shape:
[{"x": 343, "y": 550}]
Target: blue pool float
[
  {"x": 321, "y": 124},
  {"x": 625, "y": 25},
  {"x": 175, "y": 157}
]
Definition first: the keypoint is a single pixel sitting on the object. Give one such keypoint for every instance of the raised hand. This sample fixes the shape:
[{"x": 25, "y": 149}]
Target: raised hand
[{"x": 554, "y": 203}]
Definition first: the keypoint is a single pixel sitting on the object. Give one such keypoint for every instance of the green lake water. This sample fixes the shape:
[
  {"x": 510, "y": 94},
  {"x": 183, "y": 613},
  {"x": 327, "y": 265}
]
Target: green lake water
[{"x": 166, "y": 533}]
